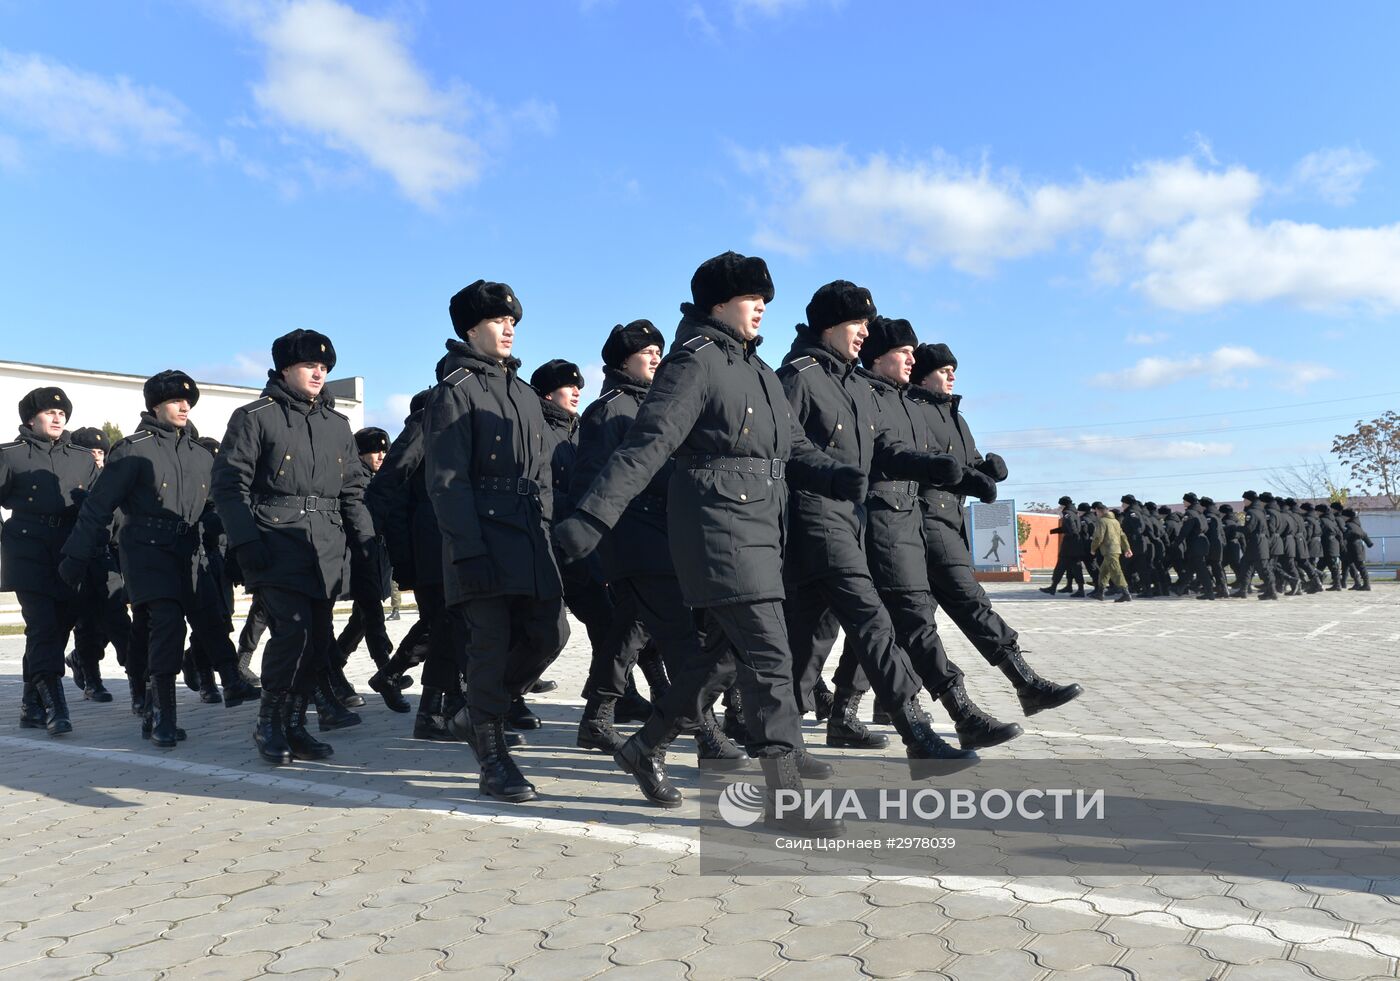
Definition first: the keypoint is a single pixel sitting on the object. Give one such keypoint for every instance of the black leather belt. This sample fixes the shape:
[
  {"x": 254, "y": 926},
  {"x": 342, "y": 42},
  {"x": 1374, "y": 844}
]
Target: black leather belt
[
  {"x": 309, "y": 503},
  {"x": 47, "y": 520},
  {"x": 523, "y": 486},
  {"x": 757, "y": 465},
  {"x": 177, "y": 525},
  {"x": 910, "y": 487}
]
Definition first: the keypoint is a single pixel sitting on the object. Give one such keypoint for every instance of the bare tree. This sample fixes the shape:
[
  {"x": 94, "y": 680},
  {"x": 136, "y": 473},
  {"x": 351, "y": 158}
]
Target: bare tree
[
  {"x": 1039, "y": 507},
  {"x": 1372, "y": 453},
  {"x": 1314, "y": 477}
]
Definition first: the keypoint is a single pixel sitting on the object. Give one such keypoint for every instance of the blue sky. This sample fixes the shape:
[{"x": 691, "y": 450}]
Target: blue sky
[{"x": 1116, "y": 216}]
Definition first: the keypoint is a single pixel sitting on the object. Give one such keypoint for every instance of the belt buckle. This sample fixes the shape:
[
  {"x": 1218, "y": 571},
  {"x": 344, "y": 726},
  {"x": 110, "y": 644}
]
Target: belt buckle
[
  {"x": 309, "y": 502},
  {"x": 181, "y": 527},
  {"x": 522, "y": 486},
  {"x": 776, "y": 469}
]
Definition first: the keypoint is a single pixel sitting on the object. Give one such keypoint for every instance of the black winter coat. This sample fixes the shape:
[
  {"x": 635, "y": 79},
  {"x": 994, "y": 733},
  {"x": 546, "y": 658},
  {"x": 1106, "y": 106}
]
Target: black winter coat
[
  {"x": 715, "y": 397},
  {"x": 1357, "y": 540},
  {"x": 488, "y": 473},
  {"x": 284, "y": 446},
  {"x": 158, "y": 477},
  {"x": 1258, "y": 536},
  {"x": 836, "y": 406},
  {"x": 1333, "y": 535},
  {"x": 561, "y": 443},
  {"x": 42, "y": 484},
  {"x": 1134, "y": 527},
  {"x": 1191, "y": 536},
  {"x": 638, "y": 544},
  {"x": 948, "y": 433},
  {"x": 1069, "y": 531},
  {"x": 403, "y": 512}
]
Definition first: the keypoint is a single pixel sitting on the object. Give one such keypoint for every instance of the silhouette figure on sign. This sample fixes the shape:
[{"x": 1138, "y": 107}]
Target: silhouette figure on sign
[{"x": 994, "y": 553}]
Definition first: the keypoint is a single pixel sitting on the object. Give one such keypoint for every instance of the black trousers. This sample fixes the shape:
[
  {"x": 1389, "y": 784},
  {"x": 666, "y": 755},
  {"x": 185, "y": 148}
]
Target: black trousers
[
  {"x": 253, "y": 627},
  {"x": 747, "y": 644},
  {"x": 586, "y": 597},
  {"x": 101, "y": 624},
  {"x": 913, "y": 614},
  {"x": 164, "y": 622},
  {"x": 1215, "y": 561},
  {"x": 858, "y": 607},
  {"x": 962, "y": 597},
  {"x": 443, "y": 632},
  {"x": 649, "y": 608},
  {"x": 1259, "y": 565},
  {"x": 511, "y": 640},
  {"x": 1334, "y": 566},
  {"x": 366, "y": 623},
  {"x": 48, "y": 622},
  {"x": 302, "y": 634}
]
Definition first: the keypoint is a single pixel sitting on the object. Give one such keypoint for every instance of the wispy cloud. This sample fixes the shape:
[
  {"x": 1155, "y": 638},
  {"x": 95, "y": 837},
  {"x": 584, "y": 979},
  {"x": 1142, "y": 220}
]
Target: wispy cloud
[
  {"x": 1155, "y": 337},
  {"x": 109, "y": 114},
  {"x": 1182, "y": 232},
  {"x": 1225, "y": 367}
]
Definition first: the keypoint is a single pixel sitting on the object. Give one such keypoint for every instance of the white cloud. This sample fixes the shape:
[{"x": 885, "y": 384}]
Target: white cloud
[
  {"x": 109, "y": 114},
  {"x": 1223, "y": 368},
  {"x": 351, "y": 80},
  {"x": 1336, "y": 174},
  {"x": 1148, "y": 449},
  {"x": 1144, "y": 338},
  {"x": 1182, "y": 232},
  {"x": 398, "y": 404}
]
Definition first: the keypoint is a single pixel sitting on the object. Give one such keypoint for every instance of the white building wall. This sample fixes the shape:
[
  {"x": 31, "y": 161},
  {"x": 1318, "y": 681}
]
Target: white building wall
[{"x": 101, "y": 396}]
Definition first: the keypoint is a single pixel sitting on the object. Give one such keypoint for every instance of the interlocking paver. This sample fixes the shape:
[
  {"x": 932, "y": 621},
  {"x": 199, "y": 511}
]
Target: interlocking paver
[
  {"x": 647, "y": 946},
  {"x": 1073, "y": 951},
  {"x": 988, "y": 933},
  {"x": 1241, "y": 944},
  {"x": 888, "y": 958},
  {"x": 1171, "y": 962},
  {"x": 813, "y": 943},
  {"x": 1342, "y": 959}
]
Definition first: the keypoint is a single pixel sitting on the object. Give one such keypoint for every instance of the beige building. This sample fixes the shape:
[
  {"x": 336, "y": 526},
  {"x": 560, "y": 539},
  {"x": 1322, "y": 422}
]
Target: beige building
[{"x": 103, "y": 396}]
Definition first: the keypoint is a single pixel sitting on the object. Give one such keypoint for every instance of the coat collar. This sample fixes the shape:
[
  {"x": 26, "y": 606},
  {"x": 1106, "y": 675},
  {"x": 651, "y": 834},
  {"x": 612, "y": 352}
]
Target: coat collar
[
  {"x": 150, "y": 424},
  {"x": 558, "y": 417},
  {"x": 28, "y": 435},
  {"x": 464, "y": 354},
  {"x": 806, "y": 345},
  {"x": 695, "y": 323},
  {"x": 617, "y": 380},
  {"x": 291, "y": 401}
]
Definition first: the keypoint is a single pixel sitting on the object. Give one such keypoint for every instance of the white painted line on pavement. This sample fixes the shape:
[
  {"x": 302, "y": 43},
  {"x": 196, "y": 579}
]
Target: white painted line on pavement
[
  {"x": 1014, "y": 891},
  {"x": 1101, "y": 737},
  {"x": 1319, "y": 631}
]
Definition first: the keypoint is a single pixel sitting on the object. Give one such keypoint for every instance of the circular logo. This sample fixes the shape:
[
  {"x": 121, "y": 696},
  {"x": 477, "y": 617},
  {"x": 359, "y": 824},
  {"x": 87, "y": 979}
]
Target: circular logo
[{"x": 741, "y": 804}]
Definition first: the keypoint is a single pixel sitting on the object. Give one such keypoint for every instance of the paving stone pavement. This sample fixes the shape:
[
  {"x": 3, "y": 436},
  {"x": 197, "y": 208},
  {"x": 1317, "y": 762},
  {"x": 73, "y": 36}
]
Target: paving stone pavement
[{"x": 121, "y": 860}]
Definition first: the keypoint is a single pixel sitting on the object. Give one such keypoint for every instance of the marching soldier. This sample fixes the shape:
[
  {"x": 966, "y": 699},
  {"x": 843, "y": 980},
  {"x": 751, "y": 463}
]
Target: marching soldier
[
  {"x": 1357, "y": 542},
  {"x": 1111, "y": 545},
  {"x": 1233, "y": 531},
  {"x": 290, "y": 491},
  {"x": 1258, "y": 548},
  {"x": 1134, "y": 526},
  {"x": 1215, "y": 548},
  {"x": 1191, "y": 536},
  {"x": 159, "y": 478},
  {"x": 43, "y": 480},
  {"x": 488, "y": 475},
  {"x": 1068, "y": 560},
  {"x": 945, "y": 528},
  {"x": 826, "y": 568},
  {"x": 369, "y": 586},
  {"x": 1088, "y": 521},
  {"x": 1333, "y": 540},
  {"x": 104, "y": 619},
  {"x": 721, "y": 410}
]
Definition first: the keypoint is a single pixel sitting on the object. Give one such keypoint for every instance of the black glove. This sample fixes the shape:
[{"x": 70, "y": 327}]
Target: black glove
[
  {"x": 253, "y": 557},
  {"x": 941, "y": 470},
  {"x": 577, "y": 536},
  {"x": 993, "y": 466},
  {"x": 475, "y": 574},
  {"x": 849, "y": 484},
  {"x": 977, "y": 484},
  {"x": 73, "y": 571}
]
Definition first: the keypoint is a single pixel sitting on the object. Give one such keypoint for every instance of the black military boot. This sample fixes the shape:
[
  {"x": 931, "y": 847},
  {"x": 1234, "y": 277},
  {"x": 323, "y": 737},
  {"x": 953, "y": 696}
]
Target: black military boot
[
  {"x": 238, "y": 689},
  {"x": 189, "y": 670},
  {"x": 782, "y": 774},
  {"x": 1035, "y": 693},
  {"x": 137, "y": 687},
  {"x": 595, "y": 729},
  {"x": 1125, "y": 596},
  {"x": 50, "y": 689},
  {"x": 341, "y": 688},
  {"x": 734, "y": 726},
  {"x": 644, "y": 756},
  {"x": 879, "y": 715},
  {"x": 654, "y": 671},
  {"x": 519, "y": 716},
  {"x": 430, "y": 723},
  {"x": 1079, "y": 593},
  {"x": 75, "y": 665},
  {"x": 543, "y": 686},
  {"x": 926, "y": 750},
  {"x": 976, "y": 729},
  {"x": 1049, "y": 590},
  {"x": 844, "y": 730},
  {"x": 500, "y": 777},
  {"x": 810, "y": 767},
  {"x": 93, "y": 688},
  {"x": 714, "y": 750},
  {"x": 632, "y": 707},
  {"x": 823, "y": 701},
  {"x": 459, "y": 723},
  {"x": 270, "y": 734},
  {"x": 164, "y": 732},
  {"x": 303, "y": 745},
  {"x": 209, "y": 691},
  {"x": 389, "y": 690},
  {"x": 31, "y": 708},
  {"x": 330, "y": 714}
]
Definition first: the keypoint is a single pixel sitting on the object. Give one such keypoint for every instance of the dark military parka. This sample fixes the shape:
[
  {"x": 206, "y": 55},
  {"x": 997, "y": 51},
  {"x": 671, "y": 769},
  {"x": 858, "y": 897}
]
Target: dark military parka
[
  {"x": 638, "y": 545},
  {"x": 561, "y": 443},
  {"x": 488, "y": 475},
  {"x": 403, "y": 512},
  {"x": 713, "y": 396},
  {"x": 280, "y": 446},
  {"x": 949, "y": 433},
  {"x": 836, "y": 406},
  {"x": 158, "y": 478},
  {"x": 42, "y": 484}
]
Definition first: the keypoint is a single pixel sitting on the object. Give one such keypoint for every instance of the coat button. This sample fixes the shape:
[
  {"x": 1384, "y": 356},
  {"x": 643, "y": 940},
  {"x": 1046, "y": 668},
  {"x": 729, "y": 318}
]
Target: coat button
[
  {"x": 493, "y": 456},
  {"x": 838, "y": 425},
  {"x": 498, "y": 439},
  {"x": 750, "y": 410},
  {"x": 746, "y": 429},
  {"x": 743, "y": 497},
  {"x": 490, "y": 510},
  {"x": 287, "y": 457}
]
